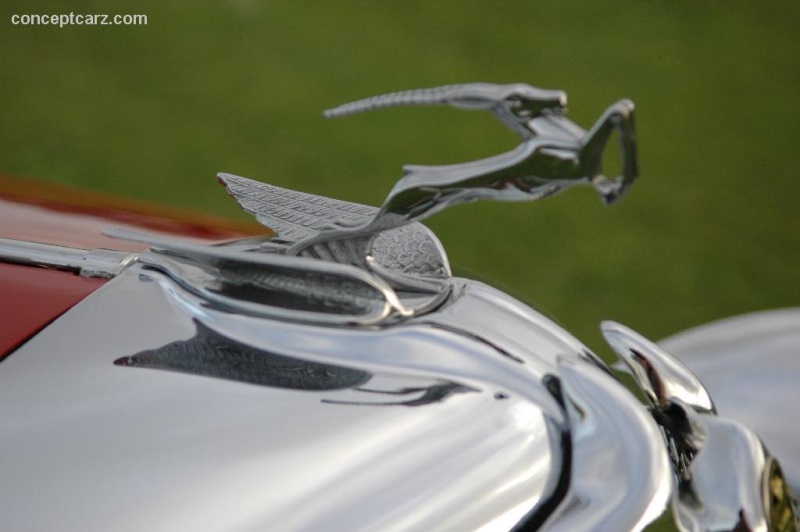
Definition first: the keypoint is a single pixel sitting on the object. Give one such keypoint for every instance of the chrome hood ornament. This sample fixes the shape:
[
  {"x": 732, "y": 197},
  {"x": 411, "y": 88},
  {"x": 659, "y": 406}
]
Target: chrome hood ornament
[
  {"x": 554, "y": 155},
  {"x": 398, "y": 265},
  {"x": 489, "y": 415},
  {"x": 342, "y": 263}
]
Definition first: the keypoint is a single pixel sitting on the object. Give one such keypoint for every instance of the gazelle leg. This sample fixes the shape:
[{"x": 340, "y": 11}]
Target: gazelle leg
[{"x": 617, "y": 117}]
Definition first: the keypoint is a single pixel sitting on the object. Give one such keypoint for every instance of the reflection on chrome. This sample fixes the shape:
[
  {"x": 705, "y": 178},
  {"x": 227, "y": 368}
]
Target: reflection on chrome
[
  {"x": 750, "y": 366},
  {"x": 211, "y": 354},
  {"x": 727, "y": 480},
  {"x": 620, "y": 478}
]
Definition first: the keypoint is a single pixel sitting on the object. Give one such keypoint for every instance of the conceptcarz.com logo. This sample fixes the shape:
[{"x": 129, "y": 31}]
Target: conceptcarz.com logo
[{"x": 71, "y": 19}]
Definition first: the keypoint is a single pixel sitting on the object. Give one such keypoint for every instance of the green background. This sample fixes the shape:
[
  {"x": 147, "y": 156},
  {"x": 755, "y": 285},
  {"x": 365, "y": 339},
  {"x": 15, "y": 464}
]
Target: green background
[{"x": 710, "y": 230}]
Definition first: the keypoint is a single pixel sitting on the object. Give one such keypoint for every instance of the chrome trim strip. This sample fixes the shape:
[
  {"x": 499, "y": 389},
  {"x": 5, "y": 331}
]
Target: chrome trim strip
[{"x": 101, "y": 263}]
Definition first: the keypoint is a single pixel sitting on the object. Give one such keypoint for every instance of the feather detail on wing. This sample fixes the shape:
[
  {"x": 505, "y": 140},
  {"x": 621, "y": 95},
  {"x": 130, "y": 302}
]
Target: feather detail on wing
[
  {"x": 411, "y": 249},
  {"x": 293, "y": 215}
]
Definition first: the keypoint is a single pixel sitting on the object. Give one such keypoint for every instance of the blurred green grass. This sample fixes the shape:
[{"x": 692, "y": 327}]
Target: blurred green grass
[{"x": 710, "y": 230}]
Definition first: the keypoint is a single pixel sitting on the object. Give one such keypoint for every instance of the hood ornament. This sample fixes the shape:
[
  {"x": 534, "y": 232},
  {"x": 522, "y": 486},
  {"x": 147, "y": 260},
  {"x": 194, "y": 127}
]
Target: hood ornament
[
  {"x": 342, "y": 263},
  {"x": 314, "y": 309},
  {"x": 554, "y": 155}
]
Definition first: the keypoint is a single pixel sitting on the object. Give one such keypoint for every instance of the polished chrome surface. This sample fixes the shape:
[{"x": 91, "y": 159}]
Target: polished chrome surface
[
  {"x": 731, "y": 483},
  {"x": 88, "y": 263},
  {"x": 105, "y": 446},
  {"x": 751, "y": 366},
  {"x": 424, "y": 425},
  {"x": 278, "y": 286},
  {"x": 662, "y": 377},
  {"x": 727, "y": 480},
  {"x": 620, "y": 474}
]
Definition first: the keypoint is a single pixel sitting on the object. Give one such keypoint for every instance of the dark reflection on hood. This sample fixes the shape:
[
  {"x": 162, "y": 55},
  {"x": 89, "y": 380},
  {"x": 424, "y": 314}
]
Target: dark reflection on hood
[{"x": 212, "y": 354}]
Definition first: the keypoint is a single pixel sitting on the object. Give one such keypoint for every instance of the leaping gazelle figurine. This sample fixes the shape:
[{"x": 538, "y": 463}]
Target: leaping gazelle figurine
[
  {"x": 555, "y": 154},
  {"x": 340, "y": 263}
]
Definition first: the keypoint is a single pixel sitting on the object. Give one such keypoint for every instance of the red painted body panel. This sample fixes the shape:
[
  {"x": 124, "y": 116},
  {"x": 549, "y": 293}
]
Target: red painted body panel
[
  {"x": 44, "y": 212},
  {"x": 33, "y": 297},
  {"x": 33, "y": 211}
]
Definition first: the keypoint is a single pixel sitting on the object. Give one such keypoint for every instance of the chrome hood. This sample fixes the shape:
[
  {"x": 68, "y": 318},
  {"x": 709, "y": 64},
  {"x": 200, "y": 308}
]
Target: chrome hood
[{"x": 430, "y": 425}]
